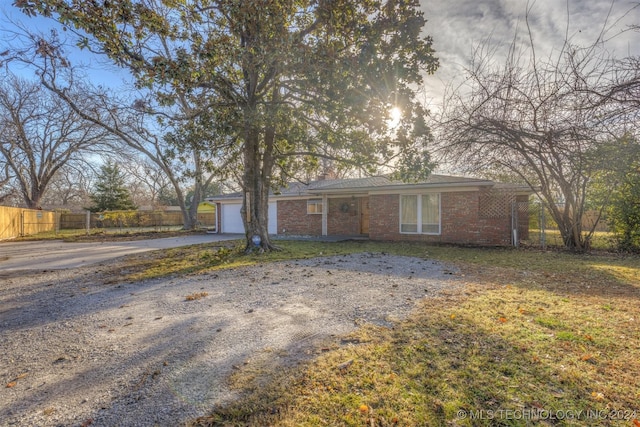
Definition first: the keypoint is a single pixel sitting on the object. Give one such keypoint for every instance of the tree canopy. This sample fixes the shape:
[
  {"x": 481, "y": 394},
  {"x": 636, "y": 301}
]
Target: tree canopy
[
  {"x": 39, "y": 135},
  {"x": 286, "y": 81}
]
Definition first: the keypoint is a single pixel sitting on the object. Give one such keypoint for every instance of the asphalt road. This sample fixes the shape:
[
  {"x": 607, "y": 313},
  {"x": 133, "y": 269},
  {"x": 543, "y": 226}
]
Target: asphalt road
[{"x": 57, "y": 254}]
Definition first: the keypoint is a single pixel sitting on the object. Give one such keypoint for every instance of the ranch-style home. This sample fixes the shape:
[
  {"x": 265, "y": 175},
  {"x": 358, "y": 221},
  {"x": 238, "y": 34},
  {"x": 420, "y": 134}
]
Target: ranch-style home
[{"x": 446, "y": 209}]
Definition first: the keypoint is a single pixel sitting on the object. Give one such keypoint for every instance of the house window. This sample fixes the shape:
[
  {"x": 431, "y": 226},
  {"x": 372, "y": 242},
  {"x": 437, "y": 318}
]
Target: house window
[
  {"x": 314, "y": 206},
  {"x": 420, "y": 213}
]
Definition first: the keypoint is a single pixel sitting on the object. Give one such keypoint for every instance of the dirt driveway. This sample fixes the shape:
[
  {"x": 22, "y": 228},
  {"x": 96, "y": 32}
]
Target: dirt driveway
[{"x": 76, "y": 347}]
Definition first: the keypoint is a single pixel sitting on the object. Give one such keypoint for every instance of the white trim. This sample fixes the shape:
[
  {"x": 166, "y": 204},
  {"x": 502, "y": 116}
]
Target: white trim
[
  {"x": 325, "y": 211},
  {"x": 218, "y": 228},
  {"x": 419, "y": 214}
]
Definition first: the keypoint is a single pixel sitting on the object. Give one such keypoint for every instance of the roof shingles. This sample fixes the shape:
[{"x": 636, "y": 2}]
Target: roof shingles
[{"x": 369, "y": 184}]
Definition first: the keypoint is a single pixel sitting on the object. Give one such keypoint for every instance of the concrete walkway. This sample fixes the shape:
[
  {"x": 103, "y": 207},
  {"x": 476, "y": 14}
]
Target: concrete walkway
[{"x": 57, "y": 254}]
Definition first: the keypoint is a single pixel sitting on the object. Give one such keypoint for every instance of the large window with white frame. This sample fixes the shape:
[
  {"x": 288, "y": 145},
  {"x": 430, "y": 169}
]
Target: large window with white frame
[{"x": 420, "y": 213}]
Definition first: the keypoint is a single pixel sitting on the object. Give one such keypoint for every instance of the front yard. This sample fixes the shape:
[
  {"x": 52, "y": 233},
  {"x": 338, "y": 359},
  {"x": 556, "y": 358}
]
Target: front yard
[{"x": 534, "y": 339}]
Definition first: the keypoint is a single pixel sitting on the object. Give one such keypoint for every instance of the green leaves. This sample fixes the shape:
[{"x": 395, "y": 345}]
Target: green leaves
[
  {"x": 280, "y": 82},
  {"x": 110, "y": 192}
]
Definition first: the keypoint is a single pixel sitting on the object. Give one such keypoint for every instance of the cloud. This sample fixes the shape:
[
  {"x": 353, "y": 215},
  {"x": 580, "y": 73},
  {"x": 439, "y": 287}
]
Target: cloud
[{"x": 460, "y": 26}]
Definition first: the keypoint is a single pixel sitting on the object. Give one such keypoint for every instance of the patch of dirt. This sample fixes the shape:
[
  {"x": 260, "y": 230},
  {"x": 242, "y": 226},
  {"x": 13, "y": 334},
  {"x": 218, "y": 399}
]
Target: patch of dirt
[{"x": 79, "y": 349}]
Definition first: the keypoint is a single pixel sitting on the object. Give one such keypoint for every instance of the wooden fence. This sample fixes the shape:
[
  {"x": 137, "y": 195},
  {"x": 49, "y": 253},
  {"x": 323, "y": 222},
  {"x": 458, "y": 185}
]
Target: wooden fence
[
  {"x": 121, "y": 219},
  {"x": 16, "y": 222}
]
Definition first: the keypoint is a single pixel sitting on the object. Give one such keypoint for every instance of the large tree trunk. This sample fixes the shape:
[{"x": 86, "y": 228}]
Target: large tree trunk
[
  {"x": 187, "y": 223},
  {"x": 255, "y": 184},
  {"x": 569, "y": 222},
  {"x": 31, "y": 193},
  {"x": 197, "y": 192}
]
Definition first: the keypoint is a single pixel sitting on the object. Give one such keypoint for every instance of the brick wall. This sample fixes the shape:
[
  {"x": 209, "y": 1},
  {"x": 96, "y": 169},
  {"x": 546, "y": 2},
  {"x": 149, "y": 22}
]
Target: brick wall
[
  {"x": 294, "y": 220},
  {"x": 340, "y": 223},
  {"x": 460, "y": 222}
]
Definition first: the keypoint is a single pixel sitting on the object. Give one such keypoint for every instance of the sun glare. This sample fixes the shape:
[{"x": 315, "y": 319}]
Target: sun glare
[{"x": 395, "y": 114}]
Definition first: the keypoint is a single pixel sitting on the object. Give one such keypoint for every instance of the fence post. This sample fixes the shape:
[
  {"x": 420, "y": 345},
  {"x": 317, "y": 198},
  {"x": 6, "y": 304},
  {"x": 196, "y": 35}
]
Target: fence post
[
  {"x": 514, "y": 224},
  {"x": 543, "y": 236},
  {"x": 88, "y": 222}
]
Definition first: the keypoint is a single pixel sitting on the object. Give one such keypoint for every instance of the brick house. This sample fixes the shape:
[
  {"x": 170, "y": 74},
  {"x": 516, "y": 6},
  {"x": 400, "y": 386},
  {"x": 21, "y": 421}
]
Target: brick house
[{"x": 446, "y": 209}]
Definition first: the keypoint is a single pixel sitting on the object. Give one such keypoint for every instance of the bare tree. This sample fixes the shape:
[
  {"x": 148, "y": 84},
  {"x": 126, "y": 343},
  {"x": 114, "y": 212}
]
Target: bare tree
[
  {"x": 526, "y": 118},
  {"x": 615, "y": 93},
  {"x": 147, "y": 179},
  {"x": 70, "y": 187},
  {"x": 134, "y": 125},
  {"x": 39, "y": 134},
  {"x": 6, "y": 190},
  {"x": 553, "y": 122}
]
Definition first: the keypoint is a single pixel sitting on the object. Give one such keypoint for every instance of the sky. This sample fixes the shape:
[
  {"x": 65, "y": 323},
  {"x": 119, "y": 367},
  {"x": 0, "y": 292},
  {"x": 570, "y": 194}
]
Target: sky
[
  {"x": 458, "y": 26},
  {"x": 101, "y": 70}
]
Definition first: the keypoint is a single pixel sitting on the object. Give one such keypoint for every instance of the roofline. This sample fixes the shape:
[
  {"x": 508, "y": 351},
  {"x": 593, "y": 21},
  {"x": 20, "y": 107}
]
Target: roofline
[
  {"x": 404, "y": 186},
  {"x": 383, "y": 189}
]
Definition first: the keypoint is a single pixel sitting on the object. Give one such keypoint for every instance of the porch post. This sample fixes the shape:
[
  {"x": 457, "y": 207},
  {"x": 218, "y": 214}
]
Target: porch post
[{"x": 325, "y": 209}]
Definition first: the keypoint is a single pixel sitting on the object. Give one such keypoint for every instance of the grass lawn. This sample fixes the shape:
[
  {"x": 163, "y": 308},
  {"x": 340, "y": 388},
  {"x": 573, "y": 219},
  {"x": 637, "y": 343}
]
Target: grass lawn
[
  {"x": 600, "y": 240},
  {"x": 535, "y": 338}
]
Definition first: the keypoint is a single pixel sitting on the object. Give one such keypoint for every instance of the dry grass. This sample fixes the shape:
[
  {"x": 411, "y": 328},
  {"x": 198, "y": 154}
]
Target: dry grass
[{"x": 532, "y": 335}]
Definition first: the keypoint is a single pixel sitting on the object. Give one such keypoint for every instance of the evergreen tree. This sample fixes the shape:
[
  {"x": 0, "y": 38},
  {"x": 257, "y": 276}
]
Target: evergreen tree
[
  {"x": 110, "y": 193},
  {"x": 624, "y": 214}
]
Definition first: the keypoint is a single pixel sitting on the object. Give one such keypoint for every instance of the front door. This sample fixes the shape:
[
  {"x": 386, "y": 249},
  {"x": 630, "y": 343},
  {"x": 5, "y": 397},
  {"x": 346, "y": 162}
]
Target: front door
[{"x": 364, "y": 215}]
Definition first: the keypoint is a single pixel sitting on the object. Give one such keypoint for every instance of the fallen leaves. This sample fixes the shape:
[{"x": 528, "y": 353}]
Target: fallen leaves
[
  {"x": 196, "y": 296},
  {"x": 14, "y": 382}
]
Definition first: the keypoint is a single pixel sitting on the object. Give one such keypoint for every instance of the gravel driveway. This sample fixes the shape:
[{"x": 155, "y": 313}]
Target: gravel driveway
[
  {"x": 77, "y": 347},
  {"x": 58, "y": 254}
]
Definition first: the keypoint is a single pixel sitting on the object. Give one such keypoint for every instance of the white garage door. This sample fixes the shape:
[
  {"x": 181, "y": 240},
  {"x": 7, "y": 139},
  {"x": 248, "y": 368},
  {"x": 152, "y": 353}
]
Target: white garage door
[{"x": 232, "y": 221}]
